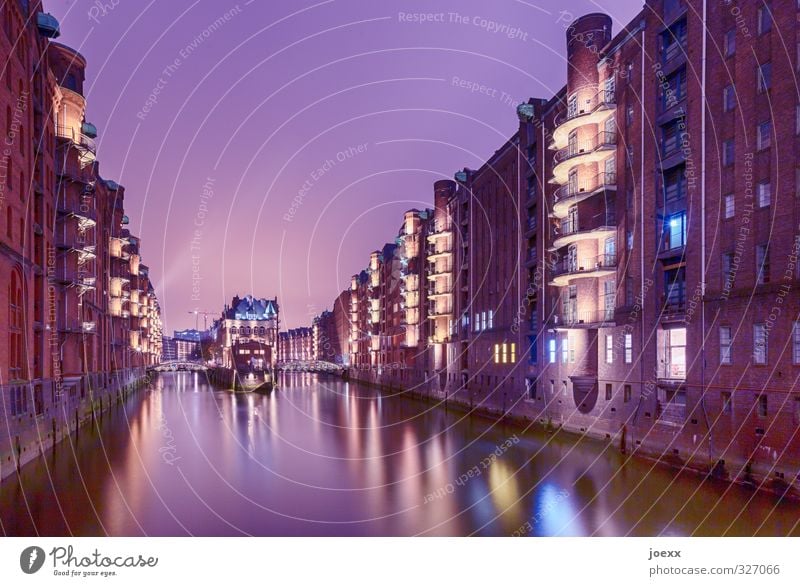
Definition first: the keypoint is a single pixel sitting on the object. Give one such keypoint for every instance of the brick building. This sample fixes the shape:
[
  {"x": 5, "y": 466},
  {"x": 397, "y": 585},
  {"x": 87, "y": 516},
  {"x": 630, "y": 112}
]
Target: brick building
[
  {"x": 82, "y": 319},
  {"x": 620, "y": 267}
]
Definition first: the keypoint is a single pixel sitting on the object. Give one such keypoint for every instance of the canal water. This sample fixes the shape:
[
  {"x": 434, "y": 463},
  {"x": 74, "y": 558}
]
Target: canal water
[{"x": 326, "y": 457}]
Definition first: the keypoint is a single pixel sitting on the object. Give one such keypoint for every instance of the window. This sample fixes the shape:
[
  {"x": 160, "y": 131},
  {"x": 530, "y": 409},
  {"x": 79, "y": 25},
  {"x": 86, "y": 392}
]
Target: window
[
  {"x": 551, "y": 350},
  {"x": 629, "y": 239},
  {"x": 764, "y": 77},
  {"x": 728, "y": 98},
  {"x": 674, "y": 356},
  {"x": 9, "y": 223},
  {"x": 477, "y": 326},
  {"x": 729, "y": 205},
  {"x": 725, "y": 345},
  {"x": 764, "y": 135},
  {"x": 497, "y": 353},
  {"x": 674, "y": 89},
  {"x": 729, "y": 43},
  {"x": 483, "y": 320},
  {"x": 725, "y": 397},
  {"x": 762, "y": 405},
  {"x": 627, "y": 394},
  {"x": 675, "y": 287},
  {"x": 727, "y": 270},
  {"x": 764, "y": 194},
  {"x": 797, "y": 119},
  {"x": 628, "y": 348},
  {"x": 672, "y": 136},
  {"x": 728, "y": 152},
  {"x": 572, "y": 106},
  {"x": 675, "y": 231},
  {"x": 762, "y": 264},
  {"x": 673, "y": 40},
  {"x": 796, "y": 343},
  {"x": 513, "y": 353},
  {"x": 531, "y": 388},
  {"x": 15, "y": 335},
  {"x": 764, "y": 19},
  {"x": 565, "y": 349},
  {"x": 629, "y": 115},
  {"x": 609, "y": 349},
  {"x": 491, "y": 319},
  {"x": 759, "y": 344},
  {"x": 675, "y": 183},
  {"x": 609, "y": 392}
]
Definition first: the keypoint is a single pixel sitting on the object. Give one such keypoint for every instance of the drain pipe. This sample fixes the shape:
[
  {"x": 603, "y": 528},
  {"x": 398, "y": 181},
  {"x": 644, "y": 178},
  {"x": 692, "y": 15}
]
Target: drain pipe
[{"x": 703, "y": 229}]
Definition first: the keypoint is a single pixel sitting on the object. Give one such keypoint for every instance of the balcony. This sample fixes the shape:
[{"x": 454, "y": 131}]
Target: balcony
[
  {"x": 87, "y": 218},
  {"x": 582, "y": 152},
  {"x": 673, "y": 307},
  {"x": 83, "y": 251},
  {"x": 78, "y": 138},
  {"x": 440, "y": 230},
  {"x": 593, "y": 318},
  {"x": 434, "y": 312},
  {"x": 596, "y": 266},
  {"x": 589, "y": 109},
  {"x": 570, "y": 194},
  {"x": 440, "y": 271},
  {"x": 575, "y": 229},
  {"x": 432, "y": 254}
]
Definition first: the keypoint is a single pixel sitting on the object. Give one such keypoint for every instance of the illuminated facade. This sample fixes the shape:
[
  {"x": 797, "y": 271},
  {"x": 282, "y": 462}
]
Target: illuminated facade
[
  {"x": 248, "y": 319},
  {"x": 615, "y": 269},
  {"x": 71, "y": 343}
]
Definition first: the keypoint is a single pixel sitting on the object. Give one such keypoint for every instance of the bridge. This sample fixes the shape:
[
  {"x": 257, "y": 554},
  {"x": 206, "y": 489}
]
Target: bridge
[
  {"x": 310, "y": 366},
  {"x": 180, "y": 365}
]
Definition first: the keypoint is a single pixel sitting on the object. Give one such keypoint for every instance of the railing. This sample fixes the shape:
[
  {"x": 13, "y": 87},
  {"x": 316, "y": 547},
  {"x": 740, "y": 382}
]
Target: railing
[
  {"x": 573, "y": 225},
  {"x": 602, "y": 139},
  {"x": 587, "y": 105},
  {"x": 77, "y": 138},
  {"x": 601, "y": 180},
  {"x": 602, "y": 261},
  {"x": 586, "y": 317}
]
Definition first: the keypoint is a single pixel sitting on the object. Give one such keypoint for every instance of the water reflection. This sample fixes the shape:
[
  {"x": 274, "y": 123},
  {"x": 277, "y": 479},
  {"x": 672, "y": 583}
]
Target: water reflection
[{"x": 324, "y": 457}]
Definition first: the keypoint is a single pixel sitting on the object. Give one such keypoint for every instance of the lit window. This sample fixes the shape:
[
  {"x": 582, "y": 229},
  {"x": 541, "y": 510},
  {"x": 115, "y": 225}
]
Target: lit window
[
  {"x": 674, "y": 353},
  {"x": 628, "y": 348},
  {"x": 491, "y": 319},
  {"x": 565, "y": 350},
  {"x": 513, "y": 353},
  {"x": 676, "y": 230},
  {"x": 551, "y": 350},
  {"x": 730, "y": 206},
  {"x": 505, "y": 353},
  {"x": 725, "y": 345},
  {"x": 759, "y": 344},
  {"x": 477, "y": 323},
  {"x": 609, "y": 349},
  {"x": 483, "y": 320},
  {"x": 497, "y": 353}
]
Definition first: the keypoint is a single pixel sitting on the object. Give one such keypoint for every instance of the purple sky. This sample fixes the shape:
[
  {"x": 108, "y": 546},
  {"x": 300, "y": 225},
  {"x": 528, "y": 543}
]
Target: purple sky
[{"x": 259, "y": 103}]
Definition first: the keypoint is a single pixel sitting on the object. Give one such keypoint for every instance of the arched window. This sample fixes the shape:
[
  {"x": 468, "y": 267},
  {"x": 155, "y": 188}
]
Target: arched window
[
  {"x": 15, "y": 326},
  {"x": 261, "y": 331},
  {"x": 247, "y": 330},
  {"x": 234, "y": 331}
]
